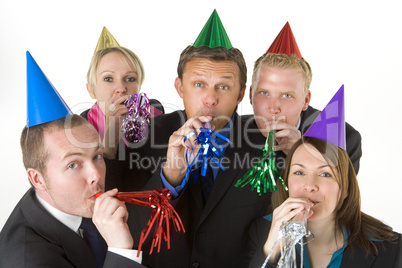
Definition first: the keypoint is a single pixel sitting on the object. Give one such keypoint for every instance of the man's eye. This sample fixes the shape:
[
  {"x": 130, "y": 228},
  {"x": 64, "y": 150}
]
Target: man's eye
[
  {"x": 72, "y": 166},
  {"x": 223, "y": 87},
  {"x": 98, "y": 156},
  {"x": 287, "y": 96},
  {"x": 263, "y": 93},
  {"x": 198, "y": 84}
]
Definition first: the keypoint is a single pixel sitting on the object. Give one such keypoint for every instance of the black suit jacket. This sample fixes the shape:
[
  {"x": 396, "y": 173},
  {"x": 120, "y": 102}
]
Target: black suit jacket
[
  {"x": 217, "y": 233},
  {"x": 389, "y": 254},
  {"x": 32, "y": 237},
  {"x": 353, "y": 137}
]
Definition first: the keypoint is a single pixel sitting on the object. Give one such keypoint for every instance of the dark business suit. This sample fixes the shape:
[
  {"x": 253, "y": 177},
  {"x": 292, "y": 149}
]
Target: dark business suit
[
  {"x": 32, "y": 237},
  {"x": 353, "y": 138},
  {"x": 216, "y": 234},
  {"x": 389, "y": 254}
]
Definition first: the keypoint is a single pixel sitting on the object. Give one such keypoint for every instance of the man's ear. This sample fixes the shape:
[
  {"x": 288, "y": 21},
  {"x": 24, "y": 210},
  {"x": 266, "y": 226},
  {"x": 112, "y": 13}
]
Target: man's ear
[
  {"x": 91, "y": 92},
  {"x": 251, "y": 95},
  {"x": 241, "y": 95},
  {"x": 179, "y": 86},
  {"x": 307, "y": 100},
  {"x": 36, "y": 179}
]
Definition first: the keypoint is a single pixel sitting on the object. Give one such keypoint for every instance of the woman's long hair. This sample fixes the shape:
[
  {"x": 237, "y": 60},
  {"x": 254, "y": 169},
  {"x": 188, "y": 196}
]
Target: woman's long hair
[{"x": 362, "y": 229}]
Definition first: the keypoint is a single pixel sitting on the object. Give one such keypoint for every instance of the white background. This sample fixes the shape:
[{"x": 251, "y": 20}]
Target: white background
[{"x": 356, "y": 43}]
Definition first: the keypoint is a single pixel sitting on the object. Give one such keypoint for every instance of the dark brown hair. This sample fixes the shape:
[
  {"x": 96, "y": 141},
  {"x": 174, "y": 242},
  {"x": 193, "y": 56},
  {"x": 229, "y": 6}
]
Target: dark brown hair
[
  {"x": 32, "y": 140},
  {"x": 214, "y": 54}
]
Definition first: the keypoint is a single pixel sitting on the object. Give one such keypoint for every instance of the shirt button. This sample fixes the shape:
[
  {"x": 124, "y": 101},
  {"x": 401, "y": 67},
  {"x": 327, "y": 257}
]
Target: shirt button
[{"x": 196, "y": 264}]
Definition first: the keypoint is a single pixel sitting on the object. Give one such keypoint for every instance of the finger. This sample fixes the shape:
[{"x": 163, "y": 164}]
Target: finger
[
  {"x": 121, "y": 99},
  {"x": 198, "y": 122},
  {"x": 310, "y": 213},
  {"x": 120, "y": 212},
  {"x": 282, "y": 147},
  {"x": 120, "y": 110},
  {"x": 100, "y": 199},
  {"x": 302, "y": 200}
]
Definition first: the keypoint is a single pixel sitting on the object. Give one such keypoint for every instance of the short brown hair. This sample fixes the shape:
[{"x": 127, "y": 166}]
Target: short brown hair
[
  {"x": 214, "y": 54},
  {"x": 130, "y": 55},
  {"x": 32, "y": 140},
  {"x": 282, "y": 62}
]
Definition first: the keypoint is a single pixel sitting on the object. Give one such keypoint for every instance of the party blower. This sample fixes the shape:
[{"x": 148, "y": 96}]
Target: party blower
[{"x": 163, "y": 213}]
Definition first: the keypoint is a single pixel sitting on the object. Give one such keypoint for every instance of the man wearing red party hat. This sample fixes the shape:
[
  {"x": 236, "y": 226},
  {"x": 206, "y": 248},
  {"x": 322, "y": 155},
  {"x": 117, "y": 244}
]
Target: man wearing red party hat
[
  {"x": 280, "y": 97},
  {"x": 52, "y": 225}
]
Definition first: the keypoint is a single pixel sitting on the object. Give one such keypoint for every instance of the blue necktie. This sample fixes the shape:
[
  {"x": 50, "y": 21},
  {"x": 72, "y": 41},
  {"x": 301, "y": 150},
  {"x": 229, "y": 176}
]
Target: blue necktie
[
  {"x": 206, "y": 183},
  {"x": 94, "y": 240}
]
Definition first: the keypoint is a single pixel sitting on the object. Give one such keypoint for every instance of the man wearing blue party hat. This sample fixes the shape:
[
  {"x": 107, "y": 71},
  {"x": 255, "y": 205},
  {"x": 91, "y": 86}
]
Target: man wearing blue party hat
[
  {"x": 323, "y": 185},
  {"x": 52, "y": 225},
  {"x": 216, "y": 214}
]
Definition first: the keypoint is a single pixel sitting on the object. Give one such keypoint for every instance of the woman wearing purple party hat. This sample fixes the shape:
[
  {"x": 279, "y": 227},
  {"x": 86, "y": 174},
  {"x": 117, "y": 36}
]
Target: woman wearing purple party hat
[{"x": 323, "y": 186}]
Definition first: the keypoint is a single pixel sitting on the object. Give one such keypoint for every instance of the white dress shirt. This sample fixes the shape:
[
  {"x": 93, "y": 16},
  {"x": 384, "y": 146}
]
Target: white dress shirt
[{"x": 73, "y": 222}]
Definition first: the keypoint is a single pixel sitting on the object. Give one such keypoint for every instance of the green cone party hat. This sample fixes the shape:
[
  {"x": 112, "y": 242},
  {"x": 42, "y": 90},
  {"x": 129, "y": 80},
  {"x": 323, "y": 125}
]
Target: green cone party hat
[{"x": 213, "y": 34}]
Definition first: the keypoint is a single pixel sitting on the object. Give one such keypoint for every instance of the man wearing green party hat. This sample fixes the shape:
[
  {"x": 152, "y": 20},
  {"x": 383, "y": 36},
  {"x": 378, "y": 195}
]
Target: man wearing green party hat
[
  {"x": 52, "y": 225},
  {"x": 211, "y": 81}
]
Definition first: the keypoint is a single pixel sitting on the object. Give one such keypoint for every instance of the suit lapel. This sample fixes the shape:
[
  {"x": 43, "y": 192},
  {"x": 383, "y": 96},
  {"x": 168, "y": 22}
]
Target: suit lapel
[
  {"x": 57, "y": 233},
  {"x": 357, "y": 258}
]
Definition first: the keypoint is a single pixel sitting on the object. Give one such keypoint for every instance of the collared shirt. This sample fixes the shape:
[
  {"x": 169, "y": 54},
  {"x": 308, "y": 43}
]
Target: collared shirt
[
  {"x": 73, "y": 222},
  {"x": 175, "y": 191},
  {"x": 298, "y": 124},
  {"x": 336, "y": 258}
]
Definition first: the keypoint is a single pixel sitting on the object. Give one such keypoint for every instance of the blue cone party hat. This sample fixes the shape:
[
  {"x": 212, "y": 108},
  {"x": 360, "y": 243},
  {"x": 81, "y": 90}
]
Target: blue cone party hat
[
  {"x": 44, "y": 103},
  {"x": 330, "y": 123}
]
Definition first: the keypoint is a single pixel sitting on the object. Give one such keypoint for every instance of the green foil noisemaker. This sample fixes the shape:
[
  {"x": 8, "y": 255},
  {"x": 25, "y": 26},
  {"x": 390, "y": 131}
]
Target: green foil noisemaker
[{"x": 262, "y": 177}]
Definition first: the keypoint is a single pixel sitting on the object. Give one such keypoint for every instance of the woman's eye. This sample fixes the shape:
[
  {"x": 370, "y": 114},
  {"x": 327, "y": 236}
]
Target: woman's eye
[
  {"x": 298, "y": 173},
  {"x": 131, "y": 79},
  {"x": 287, "y": 96},
  {"x": 326, "y": 174},
  {"x": 107, "y": 79},
  {"x": 263, "y": 93}
]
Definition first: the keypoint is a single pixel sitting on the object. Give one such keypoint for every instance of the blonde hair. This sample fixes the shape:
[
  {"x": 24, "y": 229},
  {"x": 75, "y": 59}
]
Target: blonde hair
[
  {"x": 283, "y": 62},
  {"x": 130, "y": 55}
]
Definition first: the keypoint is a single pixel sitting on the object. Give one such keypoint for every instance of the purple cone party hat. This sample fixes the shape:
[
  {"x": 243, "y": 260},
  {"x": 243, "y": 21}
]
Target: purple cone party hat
[
  {"x": 213, "y": 34},
  {"x": 285, "y": 43},
  {"x": 330, "y": 123},
  {"x": 106, "y": 40},
  {"x": 44, "y": 103}
]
